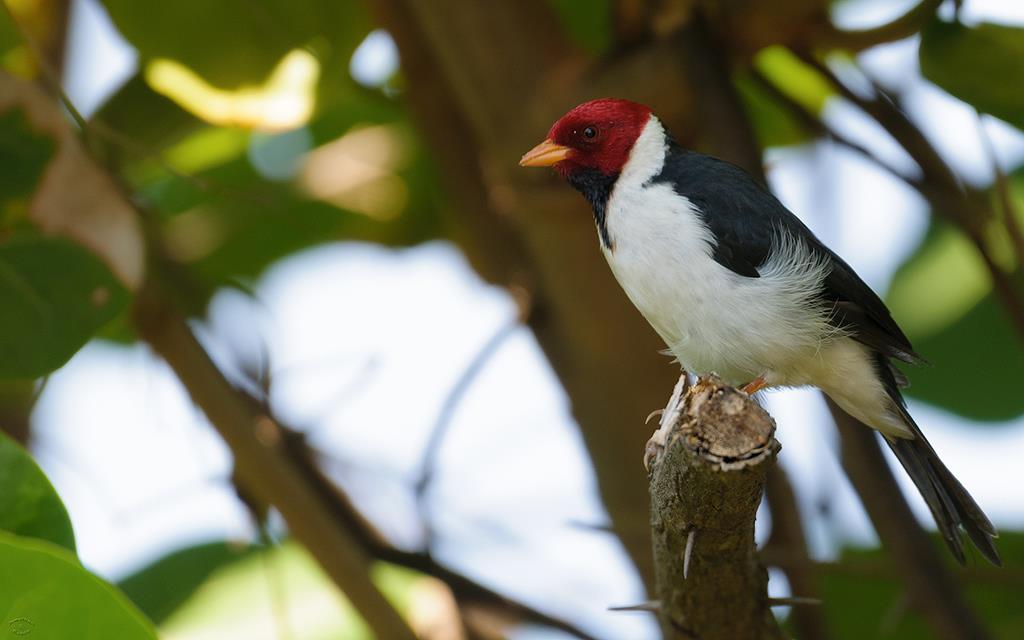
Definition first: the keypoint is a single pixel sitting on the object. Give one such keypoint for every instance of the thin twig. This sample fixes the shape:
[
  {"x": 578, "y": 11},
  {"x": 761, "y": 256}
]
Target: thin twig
[
  {"x": 1009, "y": 208},
  {"x": 458, "y": 391},
  {"x": 465, "y": 590},
  {"x": 816, "y": 126},
  {"x": 50, "y": 75}
]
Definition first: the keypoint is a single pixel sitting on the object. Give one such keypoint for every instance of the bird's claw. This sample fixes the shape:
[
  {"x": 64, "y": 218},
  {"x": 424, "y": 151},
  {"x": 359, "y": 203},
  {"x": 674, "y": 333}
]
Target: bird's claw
[{"x": 654, "y": 448}]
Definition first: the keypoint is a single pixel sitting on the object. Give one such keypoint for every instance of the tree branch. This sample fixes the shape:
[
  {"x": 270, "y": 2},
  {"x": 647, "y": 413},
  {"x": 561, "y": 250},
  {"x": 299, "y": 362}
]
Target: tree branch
[
  {"x": 1010, "y": 215},
  {"x": 931, "y": 586},
  {"x": 722, "y": 121},
  {"x": 467, "y": 592},
  {"x": 788, "y": 533},
  {"x": 940, "y": 186},
  {"x": 816, "y": 126},
  {"x": 705, "y": 491},
  {"x": 902, "y": 27},
  {"x": 260, "y": 467},
  {"x": 290, "y": 479}
]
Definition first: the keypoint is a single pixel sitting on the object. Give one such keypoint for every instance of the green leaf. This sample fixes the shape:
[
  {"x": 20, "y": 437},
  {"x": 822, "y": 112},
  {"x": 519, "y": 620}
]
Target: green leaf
[
  {"x": 234, "y": 42},
  {"x": 794, "y": 77},
  {"x": 151, "y": 121},
  {"x": 981, "y": 65},
  {"x": 773, "y": 122},
  {"x": 159, "y": 589},
  {"x": 24, "y": 154},
  {"x": 14, "y": 55},
  {"x": 29, "y": 505},
  {"x": 774, "y": 125},
  {"x": 978, "y": 364},
  {"x": 938, "y": 284},
  {"x": 55, "y": 296},
  {"x": 283, "y": 583},
  {"x": 46, "y": 595}
]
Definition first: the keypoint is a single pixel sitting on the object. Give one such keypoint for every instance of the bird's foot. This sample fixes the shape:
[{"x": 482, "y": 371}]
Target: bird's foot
[
  {"x": 754, "y": 386},
  {"x": 655, "y": 447}
]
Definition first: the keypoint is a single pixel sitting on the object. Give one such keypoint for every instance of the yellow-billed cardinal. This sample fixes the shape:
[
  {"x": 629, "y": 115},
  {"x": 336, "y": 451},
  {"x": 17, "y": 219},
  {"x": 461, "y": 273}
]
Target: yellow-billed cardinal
[{"x": 736, "y": 285}]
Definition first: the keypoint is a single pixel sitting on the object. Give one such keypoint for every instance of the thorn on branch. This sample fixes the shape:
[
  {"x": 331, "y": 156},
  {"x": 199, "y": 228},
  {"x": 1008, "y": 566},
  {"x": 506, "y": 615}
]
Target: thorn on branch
[
  {"x": 688, "y": 552},
  {"x": 650, "y": 605}
]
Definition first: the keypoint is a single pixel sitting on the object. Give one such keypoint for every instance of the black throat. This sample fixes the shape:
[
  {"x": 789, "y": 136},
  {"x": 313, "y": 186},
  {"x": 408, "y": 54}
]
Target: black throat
[{"x": 596, "y": 187}]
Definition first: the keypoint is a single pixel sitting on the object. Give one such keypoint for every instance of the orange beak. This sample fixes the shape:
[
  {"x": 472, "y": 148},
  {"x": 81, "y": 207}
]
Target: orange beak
[{"x": 544, "y": 154}]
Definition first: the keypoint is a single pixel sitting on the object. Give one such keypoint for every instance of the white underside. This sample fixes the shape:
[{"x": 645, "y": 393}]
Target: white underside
[{"x": 716, "y": 321}]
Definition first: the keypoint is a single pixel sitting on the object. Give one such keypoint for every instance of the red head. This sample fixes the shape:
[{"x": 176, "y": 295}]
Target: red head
[{"x": 596, "y": 135}]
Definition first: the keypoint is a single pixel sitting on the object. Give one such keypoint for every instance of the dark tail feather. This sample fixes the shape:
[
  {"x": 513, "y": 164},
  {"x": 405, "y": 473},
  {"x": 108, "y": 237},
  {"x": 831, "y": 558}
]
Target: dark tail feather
[{"x": 950, "y": 504}]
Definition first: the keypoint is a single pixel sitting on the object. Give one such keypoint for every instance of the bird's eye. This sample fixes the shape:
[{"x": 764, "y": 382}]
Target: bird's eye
[{"x": 590, "y": 133}]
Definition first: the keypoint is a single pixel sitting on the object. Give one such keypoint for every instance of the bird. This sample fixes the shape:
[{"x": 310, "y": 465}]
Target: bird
[{"x": 737, "y": 286}]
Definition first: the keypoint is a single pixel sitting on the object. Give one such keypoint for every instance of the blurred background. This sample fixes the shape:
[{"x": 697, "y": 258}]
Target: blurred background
[{"x": 422, "y": 343}]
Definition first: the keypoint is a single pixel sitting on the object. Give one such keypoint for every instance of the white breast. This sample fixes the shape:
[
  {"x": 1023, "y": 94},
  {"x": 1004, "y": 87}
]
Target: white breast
[{"x": 712, "y": 319}]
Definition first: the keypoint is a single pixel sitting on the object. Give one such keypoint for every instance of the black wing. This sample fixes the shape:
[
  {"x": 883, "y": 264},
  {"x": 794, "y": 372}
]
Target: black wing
[{"x": 744, "y": 217}]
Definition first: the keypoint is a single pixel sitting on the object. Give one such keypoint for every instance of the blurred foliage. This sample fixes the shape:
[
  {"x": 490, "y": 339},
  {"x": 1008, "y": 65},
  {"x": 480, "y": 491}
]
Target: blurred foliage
[
  {"x": 224, "y": 215},
  {"x": 977, "y": 378},
  {"x": 257, "y": 594},
  {"x": 942, "y": 297},
  {"x": 44, "y": 592},
  {"x": 587, "y": 22},
  {"x": 981, "y": 65},
  {"x": 865, "y": 577},
  {"x": 233, "y": 42},
  {"x": 49, "y": 596},
  {"x": 163, "y": 586},
  {"x": 774, "y": 123},
  {"x": 24, "y": 154},
  {"x": 14, "y": 56},
  {"x": 29, "y": 506},
  {"x": 56, "y": 296},
  {"x": 783, "y": 69}
]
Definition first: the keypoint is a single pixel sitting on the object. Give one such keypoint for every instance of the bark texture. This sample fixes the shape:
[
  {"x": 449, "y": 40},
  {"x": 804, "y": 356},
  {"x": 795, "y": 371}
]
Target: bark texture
[{"x": 705, "y": 490}]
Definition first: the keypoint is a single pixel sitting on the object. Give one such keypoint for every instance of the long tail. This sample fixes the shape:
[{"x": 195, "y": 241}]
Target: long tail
[{"x": 950, "y": 504}]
